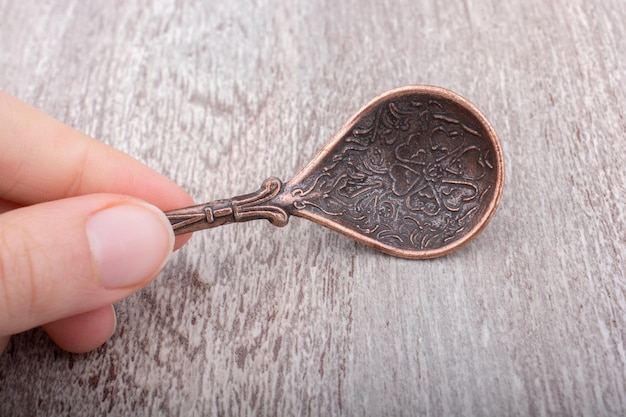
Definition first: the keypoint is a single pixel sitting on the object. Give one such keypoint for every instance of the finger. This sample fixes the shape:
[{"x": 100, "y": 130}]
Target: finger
[
  {"x": 43, "y": 160},
  {"x": 70, "y": 256},
  {"x": 83, "y": 332},
  {"x": 6, "y": 205}
]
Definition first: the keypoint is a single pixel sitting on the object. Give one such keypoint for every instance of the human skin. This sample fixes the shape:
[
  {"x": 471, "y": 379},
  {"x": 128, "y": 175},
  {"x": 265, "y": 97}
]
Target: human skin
[{"x": 81, "y": 227}]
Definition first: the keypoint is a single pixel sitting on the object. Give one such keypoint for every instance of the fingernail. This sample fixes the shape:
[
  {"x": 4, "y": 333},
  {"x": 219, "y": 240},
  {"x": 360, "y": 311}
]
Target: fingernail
[
  {"x": 130, "y": 243},
  {"x": 114, "y": 321}
]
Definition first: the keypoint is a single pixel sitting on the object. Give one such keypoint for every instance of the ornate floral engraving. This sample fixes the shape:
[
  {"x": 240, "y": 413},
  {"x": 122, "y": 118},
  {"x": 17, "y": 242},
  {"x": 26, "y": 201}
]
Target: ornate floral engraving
[
  {"x": 411, "y": 174},
  {"x": 259, "y": 205}
]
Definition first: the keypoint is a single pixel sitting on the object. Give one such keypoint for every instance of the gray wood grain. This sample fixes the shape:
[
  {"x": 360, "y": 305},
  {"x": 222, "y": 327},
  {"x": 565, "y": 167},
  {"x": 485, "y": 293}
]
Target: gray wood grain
[{"x": 529, "y": 319}]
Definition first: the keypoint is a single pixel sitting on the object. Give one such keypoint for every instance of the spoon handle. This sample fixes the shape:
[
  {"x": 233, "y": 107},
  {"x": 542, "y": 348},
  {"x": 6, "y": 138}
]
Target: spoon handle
[{"x": 261, "y": 204}]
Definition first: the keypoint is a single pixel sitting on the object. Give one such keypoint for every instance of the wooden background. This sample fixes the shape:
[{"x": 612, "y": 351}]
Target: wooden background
[{"x": 529, "y": 319}]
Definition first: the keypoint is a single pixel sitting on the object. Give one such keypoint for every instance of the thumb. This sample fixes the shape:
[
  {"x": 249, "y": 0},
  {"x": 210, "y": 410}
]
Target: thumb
[{"x": 70, "y": 256}]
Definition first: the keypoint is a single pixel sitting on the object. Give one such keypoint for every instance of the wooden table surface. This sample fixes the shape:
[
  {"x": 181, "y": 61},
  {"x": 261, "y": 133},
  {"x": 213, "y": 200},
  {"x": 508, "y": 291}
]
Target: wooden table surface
[{"x": 528, "y": 319}]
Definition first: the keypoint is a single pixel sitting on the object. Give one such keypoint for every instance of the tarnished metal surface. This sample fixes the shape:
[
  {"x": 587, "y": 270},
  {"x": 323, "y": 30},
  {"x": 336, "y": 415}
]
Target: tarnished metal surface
[{"x": 415, "y": 173}]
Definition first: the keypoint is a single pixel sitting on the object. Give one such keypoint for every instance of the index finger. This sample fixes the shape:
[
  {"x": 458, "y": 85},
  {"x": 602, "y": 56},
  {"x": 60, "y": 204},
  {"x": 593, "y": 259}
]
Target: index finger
[{"x": 42, "y": 160}]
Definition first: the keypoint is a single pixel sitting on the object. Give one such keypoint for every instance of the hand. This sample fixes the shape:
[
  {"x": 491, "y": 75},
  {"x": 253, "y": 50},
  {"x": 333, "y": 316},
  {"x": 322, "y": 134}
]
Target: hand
[{"x": 79, "y": 229}]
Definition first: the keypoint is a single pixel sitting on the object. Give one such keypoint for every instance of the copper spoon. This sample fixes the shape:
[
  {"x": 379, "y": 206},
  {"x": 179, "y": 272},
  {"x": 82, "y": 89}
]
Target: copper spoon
[{"x": 416, "y": 173}]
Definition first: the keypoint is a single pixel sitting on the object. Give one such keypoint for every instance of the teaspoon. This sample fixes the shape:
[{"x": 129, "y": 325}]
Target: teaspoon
[{"x": 416, "y": 173}]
